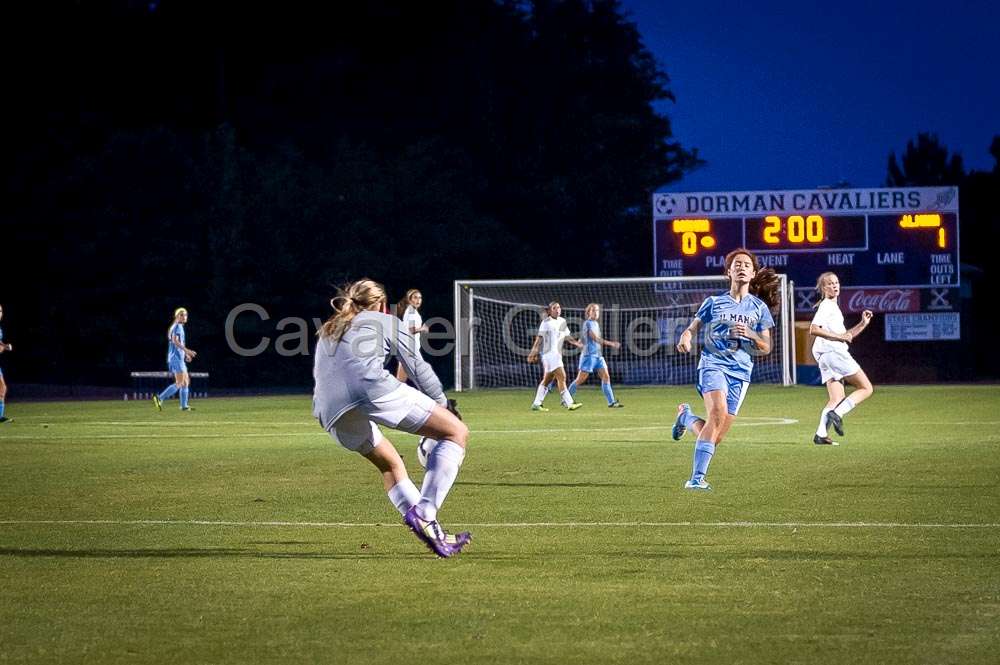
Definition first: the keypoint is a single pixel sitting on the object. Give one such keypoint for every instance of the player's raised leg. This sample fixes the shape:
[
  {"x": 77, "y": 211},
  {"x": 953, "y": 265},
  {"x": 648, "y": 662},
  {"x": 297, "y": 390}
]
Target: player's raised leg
[
  {"x": 686, "y": 419},
  {"x": 863, "y": 389}
]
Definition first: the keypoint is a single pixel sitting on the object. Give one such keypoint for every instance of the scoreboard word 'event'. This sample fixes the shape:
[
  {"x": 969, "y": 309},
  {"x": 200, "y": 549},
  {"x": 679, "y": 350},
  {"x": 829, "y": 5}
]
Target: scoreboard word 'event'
[{"x": 873, "y": 238}]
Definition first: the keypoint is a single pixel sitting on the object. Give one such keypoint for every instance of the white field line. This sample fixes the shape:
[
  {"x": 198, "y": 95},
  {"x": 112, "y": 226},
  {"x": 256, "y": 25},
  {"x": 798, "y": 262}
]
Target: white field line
[{"x": 516, "y": 525}]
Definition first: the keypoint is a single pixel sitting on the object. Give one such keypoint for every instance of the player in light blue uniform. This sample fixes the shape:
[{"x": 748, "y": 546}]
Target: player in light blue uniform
[
  {"x": 738, "y": 324},
  {"x": 178, "y": 355},
  {"x": 592, "y": 359},
  {"x": 4, "y": 348}
]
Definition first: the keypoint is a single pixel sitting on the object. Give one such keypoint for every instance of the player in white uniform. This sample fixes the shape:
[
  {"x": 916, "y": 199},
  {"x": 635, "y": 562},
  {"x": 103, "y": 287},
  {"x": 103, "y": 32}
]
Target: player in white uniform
[
  {"x": 836, "y": 366},
  {"x": 354, "y": 391},
  {"x": 552, "y": 333},
  {"x": 407, "y": 310}
]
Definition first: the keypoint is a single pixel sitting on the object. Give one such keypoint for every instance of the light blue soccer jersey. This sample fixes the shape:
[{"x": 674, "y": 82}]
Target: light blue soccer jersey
[
  {"x": 722, "y": 351},
  {"x": 590, "y": 345},
  {"x": 173, "y": 353}
]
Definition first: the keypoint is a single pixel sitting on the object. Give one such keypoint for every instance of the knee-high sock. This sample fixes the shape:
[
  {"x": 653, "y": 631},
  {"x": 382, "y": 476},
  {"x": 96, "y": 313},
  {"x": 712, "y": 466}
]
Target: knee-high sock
[
  {"x": 442, "y": 469},
  {"x": 540, "y": 395},
  {"x": 572, "y": 388},
  {"x": 608, "y": 393},
  {"x": 184, "y": 397},
  {"x": 821, "y": 430},
  {"x": 1, "y": 408},
  {"x": 703, "y": 451},
  {"x": 169, "y": 392},
  {"x": 403, "y": 495},
  {"x": 844, "y": 407},
  {"x": 567, "y": 397}
]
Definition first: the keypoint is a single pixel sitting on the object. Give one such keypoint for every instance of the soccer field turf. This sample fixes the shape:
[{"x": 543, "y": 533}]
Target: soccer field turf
[{"x": 240, "y": 533}]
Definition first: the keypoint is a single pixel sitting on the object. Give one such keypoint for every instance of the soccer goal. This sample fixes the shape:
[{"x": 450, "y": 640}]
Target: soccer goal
[{"x": 497, "y": 320}]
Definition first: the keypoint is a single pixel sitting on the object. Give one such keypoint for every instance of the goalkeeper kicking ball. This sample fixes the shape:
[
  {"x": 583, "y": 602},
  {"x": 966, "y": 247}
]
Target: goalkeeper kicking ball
[{"x": 424, "y": 448}]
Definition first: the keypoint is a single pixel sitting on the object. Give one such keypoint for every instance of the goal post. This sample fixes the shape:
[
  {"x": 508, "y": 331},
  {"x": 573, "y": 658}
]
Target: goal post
[{"x": 497, "y": 320}]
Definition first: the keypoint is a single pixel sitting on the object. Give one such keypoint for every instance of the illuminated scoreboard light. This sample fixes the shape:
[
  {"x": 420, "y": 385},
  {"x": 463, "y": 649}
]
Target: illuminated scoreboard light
[{"x": 873, "y": 238}]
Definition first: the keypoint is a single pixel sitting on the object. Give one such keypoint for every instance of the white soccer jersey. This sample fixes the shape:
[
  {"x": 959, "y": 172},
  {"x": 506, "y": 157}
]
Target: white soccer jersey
[
  {"x": 829, "y": 317},
  {"x": 412, "y": 319},
  {"x": 553, "y": 332}
]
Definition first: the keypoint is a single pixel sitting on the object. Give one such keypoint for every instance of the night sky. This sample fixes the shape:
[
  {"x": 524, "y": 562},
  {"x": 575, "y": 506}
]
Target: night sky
[{"x": 784, "y": 95}]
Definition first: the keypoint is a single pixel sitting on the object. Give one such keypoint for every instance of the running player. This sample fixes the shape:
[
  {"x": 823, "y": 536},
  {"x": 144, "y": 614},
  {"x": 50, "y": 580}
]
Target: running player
[
  {"x": 592, "y": 359},
  {"x": 178, "y": 356},
  {"x": 836, "y": 365},
  {"x": 353, "y": 391},
  {"x": 738, "y": 326},
  {"x": 4, "y": 348},
  {"x": 552, "y": 333}
]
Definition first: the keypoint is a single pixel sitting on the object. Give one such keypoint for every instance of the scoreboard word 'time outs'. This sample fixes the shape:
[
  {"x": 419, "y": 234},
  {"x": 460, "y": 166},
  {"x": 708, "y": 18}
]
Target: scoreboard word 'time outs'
[{"x": 905, "y": 237}]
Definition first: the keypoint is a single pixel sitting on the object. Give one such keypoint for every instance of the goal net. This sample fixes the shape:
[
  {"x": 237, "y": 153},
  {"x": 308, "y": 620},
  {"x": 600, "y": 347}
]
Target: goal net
[{"x": 497, "y": 321}]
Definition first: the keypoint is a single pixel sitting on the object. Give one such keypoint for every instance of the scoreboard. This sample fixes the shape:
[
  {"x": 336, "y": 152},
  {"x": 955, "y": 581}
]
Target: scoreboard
[{"x": 873, "y": 238}]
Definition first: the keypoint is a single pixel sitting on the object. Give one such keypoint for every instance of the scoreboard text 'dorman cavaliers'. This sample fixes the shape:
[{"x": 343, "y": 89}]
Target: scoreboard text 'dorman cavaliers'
[{"x": 886, "y": 245}]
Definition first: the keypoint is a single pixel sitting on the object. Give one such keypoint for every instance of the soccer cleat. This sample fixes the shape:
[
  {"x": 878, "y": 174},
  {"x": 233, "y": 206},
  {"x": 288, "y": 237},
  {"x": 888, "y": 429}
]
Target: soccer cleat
[
  {"x": 458, "y": 540},
  {"x": 157, "y": 403},
  {"x": 679, "y": 428},
  {"x": 697, "y": 485},
  {"x": 538, "y": 407},
  {"x": 573, "y": 407},
  {"x": 187, "y": 408},
  {"x": 616, "y": 405},
  {"x": 431, "y": 533},
  {"x": 5, "y": 419},
  {"x": 824, "y": 441},
  {"x": 834, "y": 420}
]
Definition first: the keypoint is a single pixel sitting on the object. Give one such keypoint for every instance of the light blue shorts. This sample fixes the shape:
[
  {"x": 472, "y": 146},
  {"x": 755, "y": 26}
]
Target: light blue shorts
[
  {"x": 591, "y": 364},
  {"x": 177, "y": 365},
  {"x": 710, "y": 379}
]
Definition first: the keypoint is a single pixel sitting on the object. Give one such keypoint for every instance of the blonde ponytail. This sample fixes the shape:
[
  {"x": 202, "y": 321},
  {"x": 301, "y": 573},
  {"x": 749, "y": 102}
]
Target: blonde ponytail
[{"x": 351, "y": 300}]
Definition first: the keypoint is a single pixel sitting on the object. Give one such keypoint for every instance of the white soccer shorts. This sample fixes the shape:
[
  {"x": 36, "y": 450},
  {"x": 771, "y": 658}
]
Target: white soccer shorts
[
  {"x": 835, "y": 365},
  {"x": 551, "y": 361},
  {"x": 405, "y": 409}
]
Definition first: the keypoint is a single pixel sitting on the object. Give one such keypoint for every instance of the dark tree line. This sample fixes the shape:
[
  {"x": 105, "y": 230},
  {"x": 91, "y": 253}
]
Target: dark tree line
[
  {"x": 928, "y": 163},
  {"x": 211, "y": 154}
]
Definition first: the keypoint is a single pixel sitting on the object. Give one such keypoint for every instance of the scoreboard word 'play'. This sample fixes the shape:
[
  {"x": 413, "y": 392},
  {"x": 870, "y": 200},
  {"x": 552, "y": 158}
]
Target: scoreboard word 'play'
[{"x": 905, "y": 237}]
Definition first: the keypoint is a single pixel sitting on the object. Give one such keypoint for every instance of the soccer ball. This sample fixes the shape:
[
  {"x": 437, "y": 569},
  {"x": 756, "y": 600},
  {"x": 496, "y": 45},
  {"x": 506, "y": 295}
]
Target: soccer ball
[{"x": 424, "y": 448}]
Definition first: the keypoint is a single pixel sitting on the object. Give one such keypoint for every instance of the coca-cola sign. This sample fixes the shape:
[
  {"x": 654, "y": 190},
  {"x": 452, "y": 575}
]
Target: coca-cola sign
[{"x": 880, "y": 300}]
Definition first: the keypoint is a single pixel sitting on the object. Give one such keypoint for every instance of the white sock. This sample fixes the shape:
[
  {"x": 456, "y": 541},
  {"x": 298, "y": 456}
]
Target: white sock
[
  {"x": 442, "y": 469},
  {"x": 821, "y": 430},
  {"x": 844, "y": 407},
  {"x": 403, "y": 495},
  {"x": 567, "y": 397},
  {"x": 540, "y": 395}
]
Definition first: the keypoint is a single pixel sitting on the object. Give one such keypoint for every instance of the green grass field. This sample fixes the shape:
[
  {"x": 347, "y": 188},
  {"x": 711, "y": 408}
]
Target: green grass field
[{"x": 240, "y": 533}]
